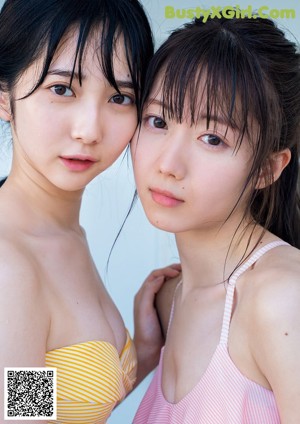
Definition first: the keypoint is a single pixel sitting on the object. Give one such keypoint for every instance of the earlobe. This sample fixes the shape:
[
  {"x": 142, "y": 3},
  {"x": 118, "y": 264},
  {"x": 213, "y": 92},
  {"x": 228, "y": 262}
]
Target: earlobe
[
  {"x": 5, "y": 112},
  {"x": 273, "y": 169}
]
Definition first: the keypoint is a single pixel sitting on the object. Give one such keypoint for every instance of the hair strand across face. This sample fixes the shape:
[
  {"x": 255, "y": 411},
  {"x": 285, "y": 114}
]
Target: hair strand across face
[{"x": 246, "y": 72}]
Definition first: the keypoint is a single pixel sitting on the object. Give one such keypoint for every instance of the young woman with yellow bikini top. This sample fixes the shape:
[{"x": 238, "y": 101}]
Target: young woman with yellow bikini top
[{"x": 71, "y": 74}]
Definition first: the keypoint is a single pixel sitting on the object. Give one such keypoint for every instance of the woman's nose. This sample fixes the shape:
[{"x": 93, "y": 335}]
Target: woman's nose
[
  {"x": 171, "y": 159},
  {"x": 87, "y": 125}
]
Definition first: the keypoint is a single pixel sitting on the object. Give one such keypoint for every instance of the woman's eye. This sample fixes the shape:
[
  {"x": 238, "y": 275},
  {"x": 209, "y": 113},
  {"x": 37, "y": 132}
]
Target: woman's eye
[
  {"x": 156, "y": 122},
  {"x": 121, "y": 99},
  {"x": 62, "y": 90},
  {"x": 211, "y": 139}
]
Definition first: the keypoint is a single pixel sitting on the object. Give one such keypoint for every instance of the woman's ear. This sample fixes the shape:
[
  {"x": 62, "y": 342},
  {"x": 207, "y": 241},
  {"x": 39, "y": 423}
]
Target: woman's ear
[
  {"x": 273, "y": 168},
  {"x": 5, "y": 112}
]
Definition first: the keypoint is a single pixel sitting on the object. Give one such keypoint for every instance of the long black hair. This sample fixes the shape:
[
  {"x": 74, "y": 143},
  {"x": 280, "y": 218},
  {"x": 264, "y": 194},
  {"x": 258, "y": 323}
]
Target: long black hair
[
  {"x": 251, "y": 73},
  {"x": 31, "y": 28}
]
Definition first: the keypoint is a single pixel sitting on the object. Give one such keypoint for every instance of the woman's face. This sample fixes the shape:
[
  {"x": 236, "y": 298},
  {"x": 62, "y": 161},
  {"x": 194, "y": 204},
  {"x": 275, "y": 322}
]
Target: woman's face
[
  {"x": 189, "y": 177},
  {"x": 65, "y": 136}
]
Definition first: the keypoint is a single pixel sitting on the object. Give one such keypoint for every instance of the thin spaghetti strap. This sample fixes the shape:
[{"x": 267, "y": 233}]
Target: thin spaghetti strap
[
  {"x": 173, "y": 305},
  {"x": 232, "y": 282}
]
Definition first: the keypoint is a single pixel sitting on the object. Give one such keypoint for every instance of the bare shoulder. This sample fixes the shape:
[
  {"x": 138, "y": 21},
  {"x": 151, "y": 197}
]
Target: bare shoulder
[
  {"x": 273, "y": 314},
  {"x": 164, "y": 300},
  {"x": 277, "y": 278},
  {"x": 16, "y": 262},
  {"x": 271, "y": 299},
  {"x": 273, "y": 284},
  {"x": 23, "y": 314}
]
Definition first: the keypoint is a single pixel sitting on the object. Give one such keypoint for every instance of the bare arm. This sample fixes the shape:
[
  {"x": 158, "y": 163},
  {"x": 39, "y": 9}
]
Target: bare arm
[
  {"x": 24, "y": 322},
  {"x": 276, "y": 343},
  {"x": 148, "y": 337}
]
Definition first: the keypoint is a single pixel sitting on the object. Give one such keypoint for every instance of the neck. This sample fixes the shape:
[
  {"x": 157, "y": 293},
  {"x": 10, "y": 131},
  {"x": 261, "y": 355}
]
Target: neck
[
  {"x": 209, "y": 258},
  {"x": 40, "y": 207}
]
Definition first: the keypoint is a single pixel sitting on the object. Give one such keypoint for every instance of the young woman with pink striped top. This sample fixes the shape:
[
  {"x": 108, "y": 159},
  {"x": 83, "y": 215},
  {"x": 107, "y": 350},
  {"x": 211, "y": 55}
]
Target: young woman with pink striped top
[{"x": 216, "y": 162}]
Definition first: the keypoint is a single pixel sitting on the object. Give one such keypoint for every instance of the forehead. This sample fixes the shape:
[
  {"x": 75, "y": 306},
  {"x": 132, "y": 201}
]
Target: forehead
[
  {"x": 67, "y": 54},
  {"x": 175, "y": 97},
  {"x": 183, "y": 100},
  {"x": 66, "y": 59}
]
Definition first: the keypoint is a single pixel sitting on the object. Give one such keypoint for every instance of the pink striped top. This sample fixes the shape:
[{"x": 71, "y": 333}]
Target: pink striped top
[{"x": 223, "y": 395}]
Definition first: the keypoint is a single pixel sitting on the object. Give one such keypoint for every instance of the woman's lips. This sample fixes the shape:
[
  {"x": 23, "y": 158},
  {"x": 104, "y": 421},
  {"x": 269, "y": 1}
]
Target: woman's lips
[
  {"x": 77, "y": 163},
  {"x": 165, "y": 198}
]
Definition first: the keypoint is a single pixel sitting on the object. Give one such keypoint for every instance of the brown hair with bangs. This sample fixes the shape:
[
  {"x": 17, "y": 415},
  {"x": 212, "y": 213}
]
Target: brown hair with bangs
[{"x": 252, "y": 74}]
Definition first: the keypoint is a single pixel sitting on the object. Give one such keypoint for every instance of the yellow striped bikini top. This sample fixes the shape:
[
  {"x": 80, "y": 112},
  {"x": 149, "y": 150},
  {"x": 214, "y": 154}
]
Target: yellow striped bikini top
[{"x": 91, "y": 379}]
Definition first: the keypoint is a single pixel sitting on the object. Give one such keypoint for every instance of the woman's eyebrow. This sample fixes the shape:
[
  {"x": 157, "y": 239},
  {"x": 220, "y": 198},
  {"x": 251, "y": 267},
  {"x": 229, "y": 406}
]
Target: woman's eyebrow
[
  {"x": 219, "y": 119},
  {"x": 222, "y": 120},
  {"x": 124, "y": 84},
  {"x": 75, "y": 75},
  {"x": 66, "y": 73},
  {"x": 154, "y": 101}
]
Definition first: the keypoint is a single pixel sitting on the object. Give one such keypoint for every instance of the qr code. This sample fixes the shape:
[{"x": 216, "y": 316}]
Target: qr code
[{"x": 29, "y": 393}]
